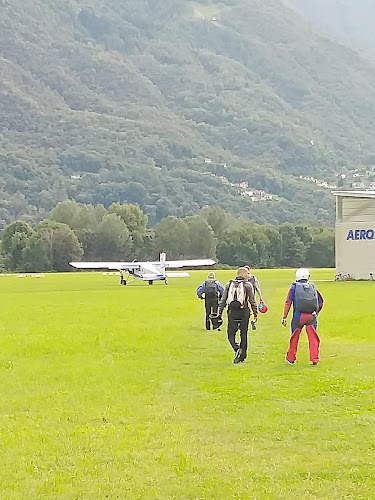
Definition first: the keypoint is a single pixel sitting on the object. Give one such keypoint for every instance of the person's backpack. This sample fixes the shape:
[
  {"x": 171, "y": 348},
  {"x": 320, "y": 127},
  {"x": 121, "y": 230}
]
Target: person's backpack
[
  {"x": 210, "y": 289},
  {"x": 306, "y": 297},
  {"x": 236, "y": 295}
]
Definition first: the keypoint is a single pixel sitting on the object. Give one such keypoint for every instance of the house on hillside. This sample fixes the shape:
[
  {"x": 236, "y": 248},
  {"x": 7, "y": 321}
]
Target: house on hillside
[{"x": 358, "y": 185}]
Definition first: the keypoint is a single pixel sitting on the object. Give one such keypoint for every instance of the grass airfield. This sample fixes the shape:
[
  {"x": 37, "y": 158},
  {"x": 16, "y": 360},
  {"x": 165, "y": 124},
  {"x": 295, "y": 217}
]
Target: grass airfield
[{"x": 119, "y": 392}]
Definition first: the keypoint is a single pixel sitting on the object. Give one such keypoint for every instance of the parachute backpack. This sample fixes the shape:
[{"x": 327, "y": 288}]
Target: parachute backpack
[
  {"x": 306, "y": 298},
  {"x": 236, "y": 295},
  {"x": 210, "y": 289}
]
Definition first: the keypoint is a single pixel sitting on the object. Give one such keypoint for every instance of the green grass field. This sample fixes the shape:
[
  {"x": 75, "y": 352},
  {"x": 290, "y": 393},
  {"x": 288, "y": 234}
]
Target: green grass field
[{"x": 119, "y": 392}]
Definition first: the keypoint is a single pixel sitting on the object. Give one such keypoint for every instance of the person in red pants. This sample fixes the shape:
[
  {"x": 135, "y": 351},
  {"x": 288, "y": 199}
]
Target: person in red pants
[{"x": 307, "y": 303}]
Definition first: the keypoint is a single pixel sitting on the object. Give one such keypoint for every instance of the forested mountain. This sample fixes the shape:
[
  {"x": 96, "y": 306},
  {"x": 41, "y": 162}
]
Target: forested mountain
[
  {"x": 349, "y": 20},
  {"x": 173, "y": 104}
]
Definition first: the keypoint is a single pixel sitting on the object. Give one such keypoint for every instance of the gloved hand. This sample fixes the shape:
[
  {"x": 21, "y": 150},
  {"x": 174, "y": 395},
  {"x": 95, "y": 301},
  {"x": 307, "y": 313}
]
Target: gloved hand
[{"x": 283, "y": 321}]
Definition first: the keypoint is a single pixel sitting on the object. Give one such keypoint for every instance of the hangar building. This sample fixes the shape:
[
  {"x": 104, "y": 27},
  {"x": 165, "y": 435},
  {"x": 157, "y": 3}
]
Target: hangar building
[{"x": 355, "y": 234}]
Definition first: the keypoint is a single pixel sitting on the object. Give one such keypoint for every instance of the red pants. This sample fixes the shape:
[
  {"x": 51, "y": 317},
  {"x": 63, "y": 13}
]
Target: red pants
[{"x": 307, "y": 321}]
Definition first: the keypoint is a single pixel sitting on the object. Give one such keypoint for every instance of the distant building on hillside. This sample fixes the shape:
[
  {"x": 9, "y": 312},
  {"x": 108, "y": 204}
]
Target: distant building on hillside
[
  {"x": 355, "y": 234},
  {"x": 358, "y": 185}
]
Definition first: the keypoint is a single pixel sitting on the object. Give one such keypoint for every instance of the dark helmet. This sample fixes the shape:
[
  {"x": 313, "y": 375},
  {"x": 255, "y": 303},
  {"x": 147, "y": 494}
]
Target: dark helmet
[{"x": 216, "y": 321}]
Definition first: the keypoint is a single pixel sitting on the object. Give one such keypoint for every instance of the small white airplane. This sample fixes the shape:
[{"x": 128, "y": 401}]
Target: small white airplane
[{"x": 146, "y": 271}]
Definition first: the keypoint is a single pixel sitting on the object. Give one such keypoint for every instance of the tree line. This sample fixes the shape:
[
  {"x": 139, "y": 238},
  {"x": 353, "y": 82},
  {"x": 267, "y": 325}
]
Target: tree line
[{"x": 75, "y": 231}]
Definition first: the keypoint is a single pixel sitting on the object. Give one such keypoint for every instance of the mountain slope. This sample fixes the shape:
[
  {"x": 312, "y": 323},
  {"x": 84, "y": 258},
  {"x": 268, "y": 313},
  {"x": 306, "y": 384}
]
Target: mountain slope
[{"x": 122, "y": 101}]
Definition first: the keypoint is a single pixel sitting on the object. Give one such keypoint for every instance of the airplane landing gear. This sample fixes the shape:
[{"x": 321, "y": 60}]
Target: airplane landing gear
[
  {"x": 122, "y": 279},
  {"x": 166, "y": 282},
  {"x": 150, "y": 282}
]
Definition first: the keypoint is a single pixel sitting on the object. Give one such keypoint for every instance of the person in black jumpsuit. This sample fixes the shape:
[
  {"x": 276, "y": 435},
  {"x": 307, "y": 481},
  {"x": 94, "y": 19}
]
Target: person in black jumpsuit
[{"x": 239, "y": 316}]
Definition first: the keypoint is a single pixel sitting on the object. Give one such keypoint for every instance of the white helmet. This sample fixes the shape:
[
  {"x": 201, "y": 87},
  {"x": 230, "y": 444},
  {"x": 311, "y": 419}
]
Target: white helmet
[{"x": 302, "y": 274}]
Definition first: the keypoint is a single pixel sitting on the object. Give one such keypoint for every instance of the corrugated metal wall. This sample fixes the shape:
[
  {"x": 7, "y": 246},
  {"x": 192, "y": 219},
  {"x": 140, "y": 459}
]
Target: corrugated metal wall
[{"x": 358, "y": 210}]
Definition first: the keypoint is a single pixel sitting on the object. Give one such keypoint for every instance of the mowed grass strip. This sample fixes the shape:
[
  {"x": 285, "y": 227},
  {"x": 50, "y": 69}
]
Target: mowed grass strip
[{"x": 119, "y": 392}]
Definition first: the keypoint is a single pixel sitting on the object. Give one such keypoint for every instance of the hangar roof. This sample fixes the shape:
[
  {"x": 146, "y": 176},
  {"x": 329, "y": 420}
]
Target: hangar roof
[{"x": 355, "y": 194}]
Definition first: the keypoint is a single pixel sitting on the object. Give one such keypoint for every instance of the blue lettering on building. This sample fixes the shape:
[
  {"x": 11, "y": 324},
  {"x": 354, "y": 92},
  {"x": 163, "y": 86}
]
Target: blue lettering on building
[{"x": 361, "y": 234}]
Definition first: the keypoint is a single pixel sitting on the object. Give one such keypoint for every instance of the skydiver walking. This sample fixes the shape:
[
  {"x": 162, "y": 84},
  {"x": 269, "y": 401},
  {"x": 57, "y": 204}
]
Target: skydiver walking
[
  {"x": 307, "y": 303},
  {"x": 239, "y": 293},
  {"x": 211, "y": 291}
]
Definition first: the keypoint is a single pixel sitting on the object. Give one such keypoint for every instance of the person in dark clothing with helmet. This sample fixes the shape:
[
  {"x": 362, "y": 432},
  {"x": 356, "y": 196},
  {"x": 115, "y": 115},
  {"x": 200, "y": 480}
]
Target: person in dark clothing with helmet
[
  {"x": 211, "y": 291},
  {"x": 238, "y": 294}
]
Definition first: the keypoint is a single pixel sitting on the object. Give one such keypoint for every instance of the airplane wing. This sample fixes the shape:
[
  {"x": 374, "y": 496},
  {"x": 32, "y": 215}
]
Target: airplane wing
[
  {"x": 178, "y": 275},
  {"x": 189, "y": 263},
  {"x": 149, "y": 266},
  {"x": 106, "y": 265}
]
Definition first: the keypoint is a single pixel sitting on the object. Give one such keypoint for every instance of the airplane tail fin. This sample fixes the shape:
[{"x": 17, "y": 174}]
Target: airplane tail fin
[{"x": 163, "y": 258}]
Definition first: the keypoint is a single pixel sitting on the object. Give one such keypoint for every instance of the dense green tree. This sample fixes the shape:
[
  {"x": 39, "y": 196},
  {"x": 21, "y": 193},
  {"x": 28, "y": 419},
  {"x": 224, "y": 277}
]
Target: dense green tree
[
  {"x": 87, "y": 217},
  {"x": 85, "y": 223},
  {"x": 14, "y": 240},
  {"x": 9, "y": 231},
  {"x": 62, "y": 244},
  {"x": 304, "y": 234},
  {"x": 263, "y": 246},
  {"x": 321, "y": 252},
  {"x": 36, "y": 254},
  {"x": 146, "y": 250},
  {"x": 132, "y": 215},
  {"x": 2, "y": 263},
  {"x": 112, "y": 240},
  {"x": 238, "y": 247},
  {"x": 293, "y": 249},
  {"x": 172, "y": 237},
  {"x": 274, "y": 248},
  {"x": 218, "y": 219},
  {"x": 202, "y": 243},
  {"x": 84, "y": 219},
  {"x": 65, "y": 212}
]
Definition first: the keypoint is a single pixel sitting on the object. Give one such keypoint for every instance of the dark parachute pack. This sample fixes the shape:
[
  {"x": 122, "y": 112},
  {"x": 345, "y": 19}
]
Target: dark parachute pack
[
  {"x": 306, "y": 297},
  {"x": 210, "y": 289}
]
